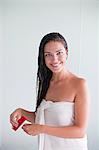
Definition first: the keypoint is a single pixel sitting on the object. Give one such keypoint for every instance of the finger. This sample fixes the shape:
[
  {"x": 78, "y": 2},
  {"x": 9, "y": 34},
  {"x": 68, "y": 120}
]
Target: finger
[
  {"x": 25, "y": 129},
  {"x": 14, "y": 121},
  {"x": 14, "y": 124},
  {"x": 15, "y": 118},
  {"x": 26, "y": 125},
  {"x": 26, "y": 132}
]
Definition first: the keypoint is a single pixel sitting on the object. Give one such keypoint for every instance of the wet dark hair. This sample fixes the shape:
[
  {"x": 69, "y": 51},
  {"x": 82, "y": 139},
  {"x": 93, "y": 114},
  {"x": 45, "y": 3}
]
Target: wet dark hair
[{"x": 44, "y": 74}]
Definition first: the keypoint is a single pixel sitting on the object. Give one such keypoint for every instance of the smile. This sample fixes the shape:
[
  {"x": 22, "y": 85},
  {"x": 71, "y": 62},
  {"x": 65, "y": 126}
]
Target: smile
[{"x": 55, "y": 65}]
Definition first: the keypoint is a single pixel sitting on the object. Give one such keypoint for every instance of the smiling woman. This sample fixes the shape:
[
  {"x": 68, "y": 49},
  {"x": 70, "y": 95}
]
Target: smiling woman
[
  {"x": 55, "y": 55},
  {"x": 62, "y": 108},
  {"x": 22, "y": 25}
]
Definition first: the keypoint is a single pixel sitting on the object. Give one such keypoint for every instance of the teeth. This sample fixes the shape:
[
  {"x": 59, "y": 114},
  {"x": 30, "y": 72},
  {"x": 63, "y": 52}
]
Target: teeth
[{"x": 56, "y": 65}]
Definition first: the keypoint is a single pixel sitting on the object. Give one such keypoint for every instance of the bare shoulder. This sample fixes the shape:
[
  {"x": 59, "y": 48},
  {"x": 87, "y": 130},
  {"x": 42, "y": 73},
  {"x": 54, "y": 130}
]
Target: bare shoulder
[
  {"x": 78, "y": 81},
  {"x": 82, "y": 89},
  {"x": 82, "y": 102},
  {"x": 81, "y": 82},
  {"x": 80, "y": 85}
]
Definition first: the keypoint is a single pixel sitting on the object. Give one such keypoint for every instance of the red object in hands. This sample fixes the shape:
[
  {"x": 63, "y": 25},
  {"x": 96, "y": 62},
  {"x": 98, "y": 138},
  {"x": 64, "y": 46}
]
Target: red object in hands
[{"x": 20, "y": 121}]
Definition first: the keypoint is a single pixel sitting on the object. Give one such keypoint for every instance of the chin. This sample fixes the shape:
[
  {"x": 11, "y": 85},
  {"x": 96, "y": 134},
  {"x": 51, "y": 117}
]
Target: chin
[{"x": 56, "y": 70}]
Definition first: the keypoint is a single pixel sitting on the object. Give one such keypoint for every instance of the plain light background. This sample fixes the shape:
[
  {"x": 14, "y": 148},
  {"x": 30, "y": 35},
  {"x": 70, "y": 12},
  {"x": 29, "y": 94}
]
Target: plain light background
[{"x": 22, "y": 25}]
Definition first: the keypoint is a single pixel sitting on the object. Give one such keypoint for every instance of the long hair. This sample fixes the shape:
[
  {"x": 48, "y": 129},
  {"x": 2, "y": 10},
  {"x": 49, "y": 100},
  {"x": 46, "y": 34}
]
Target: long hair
[{"x": 44, "y": 74}]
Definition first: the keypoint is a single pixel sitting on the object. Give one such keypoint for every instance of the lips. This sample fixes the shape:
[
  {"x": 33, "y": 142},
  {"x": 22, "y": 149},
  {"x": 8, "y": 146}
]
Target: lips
[{"x": 55, "y": 65}]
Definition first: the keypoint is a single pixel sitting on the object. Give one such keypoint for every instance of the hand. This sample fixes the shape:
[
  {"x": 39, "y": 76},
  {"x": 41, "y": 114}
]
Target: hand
[
  {"x": 15, "y": 116},
  {"x": 32, "y": 129}
]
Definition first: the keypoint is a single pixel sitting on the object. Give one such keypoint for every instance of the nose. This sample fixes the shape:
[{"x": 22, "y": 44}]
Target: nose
[{"x": 55, "y": 59}]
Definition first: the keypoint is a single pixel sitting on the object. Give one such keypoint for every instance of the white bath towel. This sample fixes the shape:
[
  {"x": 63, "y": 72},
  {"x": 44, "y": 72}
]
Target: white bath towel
[{"x": 58, "y": 114}]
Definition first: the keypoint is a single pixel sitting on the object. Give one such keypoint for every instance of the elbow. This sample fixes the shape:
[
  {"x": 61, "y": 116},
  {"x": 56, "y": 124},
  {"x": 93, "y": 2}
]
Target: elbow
[{"x": 81, "y": 132}]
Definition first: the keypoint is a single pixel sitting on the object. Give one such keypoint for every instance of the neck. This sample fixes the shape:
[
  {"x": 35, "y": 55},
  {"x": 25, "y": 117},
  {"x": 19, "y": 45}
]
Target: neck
[{"x": 60, "y": 76}]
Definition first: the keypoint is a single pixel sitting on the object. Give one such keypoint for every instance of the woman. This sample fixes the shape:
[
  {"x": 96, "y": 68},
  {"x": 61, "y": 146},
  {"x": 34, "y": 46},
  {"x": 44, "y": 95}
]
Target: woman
[{"x": 62, "y": 109}]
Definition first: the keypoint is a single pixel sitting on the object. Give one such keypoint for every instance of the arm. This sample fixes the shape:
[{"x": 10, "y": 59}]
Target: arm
[{"x": 81, "y": 116}]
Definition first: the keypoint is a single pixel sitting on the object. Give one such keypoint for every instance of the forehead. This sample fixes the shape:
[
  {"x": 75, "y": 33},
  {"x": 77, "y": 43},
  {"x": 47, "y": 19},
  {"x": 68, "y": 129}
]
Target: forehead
[{"x": 53, "y": 46}]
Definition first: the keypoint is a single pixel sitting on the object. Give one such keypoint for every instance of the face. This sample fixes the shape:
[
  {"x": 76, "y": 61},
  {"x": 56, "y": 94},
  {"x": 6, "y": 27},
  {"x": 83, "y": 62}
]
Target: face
[{"x": 55, "y": 56}]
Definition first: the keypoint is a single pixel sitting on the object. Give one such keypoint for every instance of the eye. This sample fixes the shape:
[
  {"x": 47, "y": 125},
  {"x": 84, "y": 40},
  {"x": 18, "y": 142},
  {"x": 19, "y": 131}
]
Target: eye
[
  {"x": 60, "y": 53},
  {"x": 47, "y": 55}
]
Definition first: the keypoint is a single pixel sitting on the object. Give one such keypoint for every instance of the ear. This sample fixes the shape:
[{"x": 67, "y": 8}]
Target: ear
[
  {"x": 67, "y": 51},
  {"x": 66, "y": 54}
]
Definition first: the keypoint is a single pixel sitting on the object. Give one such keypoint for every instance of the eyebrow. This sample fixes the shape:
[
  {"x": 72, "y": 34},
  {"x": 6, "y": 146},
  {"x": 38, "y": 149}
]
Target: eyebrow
[{"x": 56, "y": 51}]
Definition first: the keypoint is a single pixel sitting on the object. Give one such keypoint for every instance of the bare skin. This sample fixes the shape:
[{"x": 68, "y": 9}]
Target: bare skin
[
  {"x": 75, "y": 90},
  {"x": 79, "y": 94},
  {"x": 18, "y": 113},
  {"x": 66, "y": 87}
]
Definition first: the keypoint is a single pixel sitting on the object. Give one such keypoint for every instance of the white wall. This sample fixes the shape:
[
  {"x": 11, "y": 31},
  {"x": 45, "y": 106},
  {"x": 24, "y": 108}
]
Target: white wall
[
  {"x": 89, "y": 65},
  {"x": 98, "y": 65},
  {"x": 24, "y": 23},
  {"x": 1, "y": 67}
]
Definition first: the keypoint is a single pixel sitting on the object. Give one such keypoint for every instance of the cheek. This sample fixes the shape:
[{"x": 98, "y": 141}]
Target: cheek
[
  {"x": 47, "y": 62},
  {"x": 63, "y": 59}
]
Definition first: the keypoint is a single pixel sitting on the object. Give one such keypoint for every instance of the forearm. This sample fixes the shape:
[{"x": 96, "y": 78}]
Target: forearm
[
  {"x": 64, "y": 131},
  {"x": 29, "y": 115}
]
